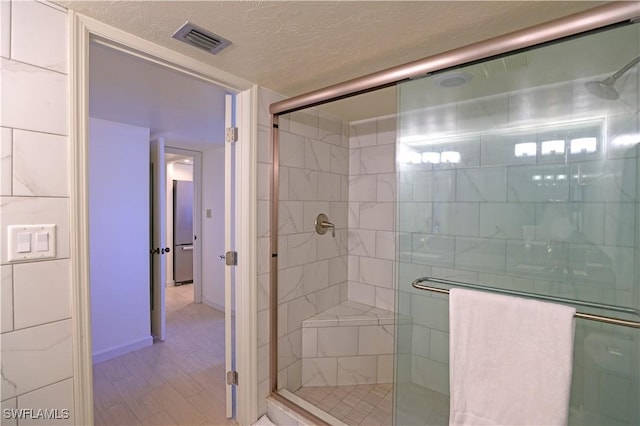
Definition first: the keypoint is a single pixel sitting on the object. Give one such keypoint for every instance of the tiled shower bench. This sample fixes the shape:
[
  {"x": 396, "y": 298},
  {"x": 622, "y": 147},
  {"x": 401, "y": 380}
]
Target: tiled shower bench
[{"x": 348, "y": 344}]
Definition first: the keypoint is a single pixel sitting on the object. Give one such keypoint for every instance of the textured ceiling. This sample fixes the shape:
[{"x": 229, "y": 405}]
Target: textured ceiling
[{"x": 296, "y": 47}]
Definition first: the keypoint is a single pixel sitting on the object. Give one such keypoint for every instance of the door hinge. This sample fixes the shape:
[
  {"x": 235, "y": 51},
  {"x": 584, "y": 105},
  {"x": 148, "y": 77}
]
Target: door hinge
[
  {"x": 232, "y": 377},
  {"x": 231, "y": 134},
  {"x": 231, "y": 258}
]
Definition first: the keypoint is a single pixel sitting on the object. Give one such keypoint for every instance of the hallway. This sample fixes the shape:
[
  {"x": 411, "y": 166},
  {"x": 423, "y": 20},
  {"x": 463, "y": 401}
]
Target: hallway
[{"x": 176, "y": 382}]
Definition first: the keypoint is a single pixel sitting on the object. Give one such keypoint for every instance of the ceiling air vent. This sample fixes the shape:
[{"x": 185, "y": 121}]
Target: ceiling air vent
[{"x": 201, "y": 38}]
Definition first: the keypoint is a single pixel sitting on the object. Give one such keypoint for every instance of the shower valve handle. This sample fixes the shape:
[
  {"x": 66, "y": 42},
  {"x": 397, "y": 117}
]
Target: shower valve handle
[
  {"x": 323, "y": 224},
  {"x": 329, "y": 225}
]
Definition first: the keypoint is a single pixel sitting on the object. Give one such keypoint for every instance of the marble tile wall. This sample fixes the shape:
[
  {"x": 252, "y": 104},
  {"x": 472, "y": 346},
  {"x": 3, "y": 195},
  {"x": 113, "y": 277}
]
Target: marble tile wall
[
  {"x": 372, "y": 193},
  {"x": 476, "y": 221},
  {"x": 34, "y": 172},
  {"x": 312, "y": 268},
  {"x": 348, "y": 345},
  {"x": 522, "y": 222},
  {"x": 494, "y": 212},
  {"x": 265, "y": 98}
]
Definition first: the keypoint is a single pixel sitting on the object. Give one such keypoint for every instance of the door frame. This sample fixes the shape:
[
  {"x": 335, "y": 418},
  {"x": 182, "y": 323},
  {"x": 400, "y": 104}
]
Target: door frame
[
  {"x": 197, "y": 216},
  {"x": 82, "y": 30},
  {"x": 157, "y": 237}
]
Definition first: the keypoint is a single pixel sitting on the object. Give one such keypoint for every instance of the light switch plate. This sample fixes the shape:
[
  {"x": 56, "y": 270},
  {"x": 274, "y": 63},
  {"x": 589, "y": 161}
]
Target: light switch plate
[
  {"x": 23, "y": 242},
  {"x": 26, "y": 242},
  {"x": 42, "y": 241}
]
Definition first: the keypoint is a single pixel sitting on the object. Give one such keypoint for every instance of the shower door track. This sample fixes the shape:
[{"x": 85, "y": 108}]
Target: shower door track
[
  {"x": 592, "y": 19},
  {"x": 600, "y": 318}
]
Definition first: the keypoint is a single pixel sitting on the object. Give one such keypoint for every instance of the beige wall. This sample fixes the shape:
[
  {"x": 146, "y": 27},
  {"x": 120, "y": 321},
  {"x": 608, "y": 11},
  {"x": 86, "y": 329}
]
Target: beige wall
[{"x": 36, "y": 295}]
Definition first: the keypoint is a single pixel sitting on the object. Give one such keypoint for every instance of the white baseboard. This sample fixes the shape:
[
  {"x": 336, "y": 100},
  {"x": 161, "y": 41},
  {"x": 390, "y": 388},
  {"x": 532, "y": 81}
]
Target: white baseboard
[
  {"x": 216, "y": 306},
  {"x": 123, "y": 349}
]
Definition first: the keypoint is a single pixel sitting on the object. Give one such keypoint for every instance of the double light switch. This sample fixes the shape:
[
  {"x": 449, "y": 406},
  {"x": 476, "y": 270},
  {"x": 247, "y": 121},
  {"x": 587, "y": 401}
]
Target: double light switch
[{"x": 27, "y": 242}]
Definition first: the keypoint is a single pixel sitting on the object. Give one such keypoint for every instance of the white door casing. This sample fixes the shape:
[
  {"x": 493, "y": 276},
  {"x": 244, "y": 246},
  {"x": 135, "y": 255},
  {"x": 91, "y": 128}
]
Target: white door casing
[
  {"x": 229, "y": 199},
  {"x": 82, "y": 31},
  {"x": 246, "y": 237}
]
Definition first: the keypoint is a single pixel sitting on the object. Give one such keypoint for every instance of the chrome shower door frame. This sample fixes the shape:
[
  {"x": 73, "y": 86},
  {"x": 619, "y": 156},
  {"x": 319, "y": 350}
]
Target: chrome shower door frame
[{"x": 592, "y": 19}]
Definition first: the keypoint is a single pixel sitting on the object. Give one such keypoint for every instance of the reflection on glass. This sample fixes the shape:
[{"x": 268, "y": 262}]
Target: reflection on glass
[
  {"x": 526, "y": 149},
  {"x": 583, "y": 145},
  {"x": 451, "y": 157},
  {"x": 626, "y": 140},
  {"x": 431, "y": 157},
  {"x": 555, "y": 146},
  {"x": 547, "y": 204}
]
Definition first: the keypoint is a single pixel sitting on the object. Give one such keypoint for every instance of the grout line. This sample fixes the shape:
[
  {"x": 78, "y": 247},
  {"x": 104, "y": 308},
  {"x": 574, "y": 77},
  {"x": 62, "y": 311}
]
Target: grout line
[
  {"x": 13, "y": 303},
  {"x": 36, "y": 131},
  {"x": 53, "y": 6},
  {"x": 60, "y": 73},
  {"x": 10, "y": 12},
  {"x": 41, "y": 324},
  {"x": 41, "y": 387},
  {"x": 321, "y": 394},
  {"x": 12, "y": 158},
  {"x": 48, "y": 197}
]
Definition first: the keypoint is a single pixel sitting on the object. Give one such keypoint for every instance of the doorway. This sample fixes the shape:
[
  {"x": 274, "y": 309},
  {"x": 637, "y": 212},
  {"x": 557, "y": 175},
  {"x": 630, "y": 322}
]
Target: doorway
[
  {"x": 83, "y": 32},
  {"x": 182, "y": 189},
  {"x": 180, "y": 219},
  {"x": 142, "y": 115}
]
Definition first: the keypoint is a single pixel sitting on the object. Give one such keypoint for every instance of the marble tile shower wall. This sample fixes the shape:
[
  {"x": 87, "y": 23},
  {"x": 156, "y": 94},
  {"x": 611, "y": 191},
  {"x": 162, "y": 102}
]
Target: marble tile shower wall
[
  {"x": 567, "y": 225},
  {"x": 312, "y": 268},
  {"x": 467, "y": 222},
  {"x": 495, "y": 214},
  {"x": 265, "y": 98},
  {"x": 34, "y": 189},
  {"x": 372, "y": 193}
]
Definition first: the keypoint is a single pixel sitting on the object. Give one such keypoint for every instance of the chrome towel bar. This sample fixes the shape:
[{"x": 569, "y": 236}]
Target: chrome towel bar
[{"x": 417, "y": 283}]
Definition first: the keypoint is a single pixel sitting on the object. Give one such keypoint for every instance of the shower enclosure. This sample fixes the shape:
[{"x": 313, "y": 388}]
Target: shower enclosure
[
  {"x": 516, "y": 172},
  {"x": 520, "y": 173}
]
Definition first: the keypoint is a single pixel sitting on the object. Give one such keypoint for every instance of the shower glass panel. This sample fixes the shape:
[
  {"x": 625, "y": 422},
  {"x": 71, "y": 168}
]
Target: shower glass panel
[
  {"x": 516, "y": 173},
  {"x": 312, "y": 266},
  {"x": 335, "y": 294}
]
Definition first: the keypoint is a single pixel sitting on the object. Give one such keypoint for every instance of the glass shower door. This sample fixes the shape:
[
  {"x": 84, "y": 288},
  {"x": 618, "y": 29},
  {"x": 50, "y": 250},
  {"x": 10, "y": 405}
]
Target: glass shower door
[{"x": 522, "y": 173}]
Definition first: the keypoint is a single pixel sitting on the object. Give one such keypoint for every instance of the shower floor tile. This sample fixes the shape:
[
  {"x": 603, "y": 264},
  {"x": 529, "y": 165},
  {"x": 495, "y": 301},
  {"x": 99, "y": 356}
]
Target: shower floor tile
[{"x": 354, "y": 405}]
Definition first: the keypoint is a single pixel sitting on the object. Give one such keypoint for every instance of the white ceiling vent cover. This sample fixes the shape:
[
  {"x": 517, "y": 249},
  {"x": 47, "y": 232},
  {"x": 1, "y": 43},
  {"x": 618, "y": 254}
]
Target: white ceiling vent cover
[{"x": 201, "y": 38}]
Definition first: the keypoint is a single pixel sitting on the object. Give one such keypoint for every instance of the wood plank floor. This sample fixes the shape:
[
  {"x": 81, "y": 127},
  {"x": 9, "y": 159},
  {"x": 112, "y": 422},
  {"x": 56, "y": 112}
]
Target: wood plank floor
[{"x": 176, "y": 382}]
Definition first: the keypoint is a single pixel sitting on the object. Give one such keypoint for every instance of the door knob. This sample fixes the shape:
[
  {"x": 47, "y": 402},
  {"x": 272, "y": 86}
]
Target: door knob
[{"x": 160, "y": 251}]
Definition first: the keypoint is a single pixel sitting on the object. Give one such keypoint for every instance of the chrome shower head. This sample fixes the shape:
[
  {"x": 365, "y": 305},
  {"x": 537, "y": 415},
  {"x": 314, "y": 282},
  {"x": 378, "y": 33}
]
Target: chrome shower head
[{"x": 604, "y": 89}]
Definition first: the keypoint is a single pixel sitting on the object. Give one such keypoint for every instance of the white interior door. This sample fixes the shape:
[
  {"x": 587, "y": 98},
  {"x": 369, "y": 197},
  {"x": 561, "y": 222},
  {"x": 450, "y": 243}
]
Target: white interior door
[
  {"x": 229, "y": 244},
  {"x": 159, "y": 247}
]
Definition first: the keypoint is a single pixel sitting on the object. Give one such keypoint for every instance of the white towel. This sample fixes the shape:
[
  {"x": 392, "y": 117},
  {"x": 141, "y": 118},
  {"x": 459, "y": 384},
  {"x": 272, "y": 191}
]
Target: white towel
[{"x": 510, "y": 360}]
